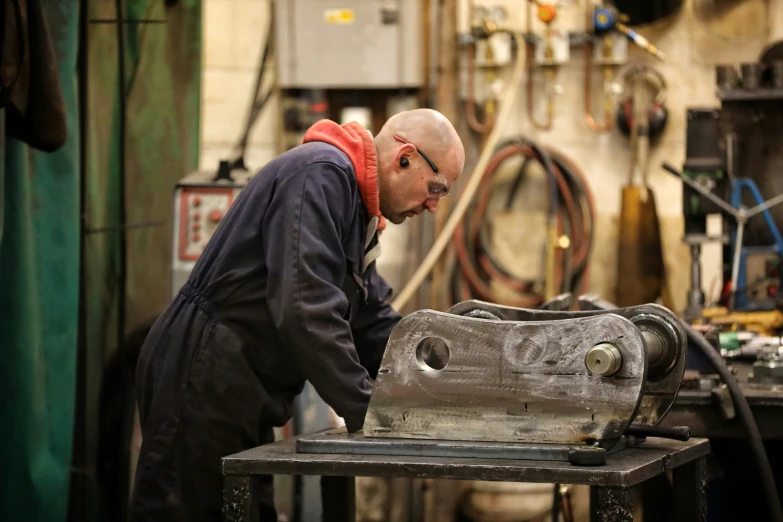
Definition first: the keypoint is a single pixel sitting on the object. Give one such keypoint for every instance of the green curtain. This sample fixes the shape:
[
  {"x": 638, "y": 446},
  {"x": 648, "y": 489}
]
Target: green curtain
[{"x": 39, "y": 302}]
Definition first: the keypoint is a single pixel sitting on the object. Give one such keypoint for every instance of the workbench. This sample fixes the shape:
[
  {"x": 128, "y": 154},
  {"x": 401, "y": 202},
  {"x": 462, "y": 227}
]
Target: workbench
[
  {"x": 611, "y": 482},
  {"x": 703, "y": 404}
]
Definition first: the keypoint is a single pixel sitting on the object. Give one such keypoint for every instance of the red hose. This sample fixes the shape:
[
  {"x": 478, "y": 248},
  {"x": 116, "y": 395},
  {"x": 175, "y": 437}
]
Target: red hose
[{"x": 472, "y": 280}]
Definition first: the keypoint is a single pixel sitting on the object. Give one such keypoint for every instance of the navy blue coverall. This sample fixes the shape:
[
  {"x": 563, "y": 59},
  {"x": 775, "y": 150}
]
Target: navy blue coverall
[{"x": 279, "y": 296}]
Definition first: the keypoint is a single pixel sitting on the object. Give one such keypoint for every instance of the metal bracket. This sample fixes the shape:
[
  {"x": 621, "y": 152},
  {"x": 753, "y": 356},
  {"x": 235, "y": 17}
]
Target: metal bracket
[
  {"x": 482, "y": 372},
  {"x": 663, "y": 333}
]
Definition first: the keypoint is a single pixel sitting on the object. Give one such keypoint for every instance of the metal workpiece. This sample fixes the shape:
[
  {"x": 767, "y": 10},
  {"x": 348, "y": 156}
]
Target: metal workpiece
[
  {"x": 665, "y": 345},
  {"x": 449, "y": 377}
]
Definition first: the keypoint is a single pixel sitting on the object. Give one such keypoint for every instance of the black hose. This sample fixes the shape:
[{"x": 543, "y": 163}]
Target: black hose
[
  {"x": 741, "y": 403},
  {"x": 573, "y": 275}
]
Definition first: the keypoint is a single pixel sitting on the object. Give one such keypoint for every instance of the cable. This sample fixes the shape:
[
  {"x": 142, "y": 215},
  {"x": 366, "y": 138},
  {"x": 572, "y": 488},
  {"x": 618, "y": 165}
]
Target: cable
[
  {"x": 256, "y": 105},
  {"x": 741, "y": 403},
  {"x": 568, "y": 191},
  {"x": 442, "y": 241}
]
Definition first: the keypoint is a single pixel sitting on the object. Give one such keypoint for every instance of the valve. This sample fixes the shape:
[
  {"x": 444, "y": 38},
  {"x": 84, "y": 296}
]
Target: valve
[{"x": 607, "y": 19}]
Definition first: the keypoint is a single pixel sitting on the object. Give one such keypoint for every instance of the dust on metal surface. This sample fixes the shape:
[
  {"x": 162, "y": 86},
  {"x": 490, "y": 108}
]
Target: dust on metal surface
[
  {"x": 665, "y": 346},
  {"x": 504, "y": 380}
]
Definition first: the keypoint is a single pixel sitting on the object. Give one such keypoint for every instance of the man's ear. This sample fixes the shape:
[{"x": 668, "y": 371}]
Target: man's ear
[{"x": 404, "y": 155}]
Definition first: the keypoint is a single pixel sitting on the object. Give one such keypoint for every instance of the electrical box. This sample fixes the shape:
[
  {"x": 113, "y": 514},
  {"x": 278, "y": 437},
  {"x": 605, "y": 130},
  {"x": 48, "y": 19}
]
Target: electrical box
[{"x": 349, "y": 44}]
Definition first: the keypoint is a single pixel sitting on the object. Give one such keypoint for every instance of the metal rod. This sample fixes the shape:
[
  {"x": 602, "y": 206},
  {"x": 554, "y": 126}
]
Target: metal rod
[
  {"x": 735, "y": 267},
  {"x": 704, "y": 192},
  {"x": 764, "y": 206},
  {"x": 731, "y": 143}
]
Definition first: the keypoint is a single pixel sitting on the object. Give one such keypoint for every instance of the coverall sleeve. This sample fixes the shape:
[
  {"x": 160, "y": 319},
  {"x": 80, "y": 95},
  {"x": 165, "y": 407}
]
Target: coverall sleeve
[
  {"x": 303, "y": 230},
  {"x": 375, "y": 322}
]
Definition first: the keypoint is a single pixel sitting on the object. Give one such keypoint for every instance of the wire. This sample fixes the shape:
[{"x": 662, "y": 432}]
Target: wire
[{"x": 256, "y": 105}]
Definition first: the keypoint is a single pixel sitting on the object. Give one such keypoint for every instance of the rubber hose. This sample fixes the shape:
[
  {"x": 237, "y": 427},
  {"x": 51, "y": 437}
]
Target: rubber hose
[
  {"x": 741, "y": 403},
  {"x": 575, "y": 179},
  {"x": 473, "y": 225},
  {"x": 563, "y": 173},
  {"x": 468, "y": 269},
  {"x": 473, "y": 237},
  {"x": 554, "y": 179},
  {"x": 442, "y": 241},
  {"x": 463, "y": 245},
  {"x": 577, "y": 280}
]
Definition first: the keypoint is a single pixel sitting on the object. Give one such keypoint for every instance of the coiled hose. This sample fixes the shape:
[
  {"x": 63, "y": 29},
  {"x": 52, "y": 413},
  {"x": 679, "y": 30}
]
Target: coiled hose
[{"x": 571, "y": 208}]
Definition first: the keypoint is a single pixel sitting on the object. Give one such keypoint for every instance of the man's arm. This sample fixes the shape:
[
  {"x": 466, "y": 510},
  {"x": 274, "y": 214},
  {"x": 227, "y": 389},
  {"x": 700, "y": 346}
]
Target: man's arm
[
  {"x": 302, "y": 234},
  {"x": 374, "y": 322}
]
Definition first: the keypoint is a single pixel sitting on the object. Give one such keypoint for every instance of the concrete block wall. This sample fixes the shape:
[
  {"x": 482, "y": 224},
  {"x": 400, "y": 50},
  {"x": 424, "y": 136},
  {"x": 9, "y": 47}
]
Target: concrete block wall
[{"x": 234, "y": 31}]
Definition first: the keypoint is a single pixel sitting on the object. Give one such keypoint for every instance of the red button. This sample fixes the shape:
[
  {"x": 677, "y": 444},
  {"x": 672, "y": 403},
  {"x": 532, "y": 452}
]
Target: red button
[
  {"x": 215, "y": 216},
  {"x": 196, "y": 216},
  {"x": 196, "y": 237},
  {"x": 196, "y": 201},
  {"x": 196, "y": 226}
]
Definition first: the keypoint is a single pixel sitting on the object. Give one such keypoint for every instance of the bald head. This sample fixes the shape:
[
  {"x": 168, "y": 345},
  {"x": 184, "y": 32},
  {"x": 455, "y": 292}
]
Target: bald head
[
  {"x": 419, "y": 155},
  {"x": 428, "y": 129}
]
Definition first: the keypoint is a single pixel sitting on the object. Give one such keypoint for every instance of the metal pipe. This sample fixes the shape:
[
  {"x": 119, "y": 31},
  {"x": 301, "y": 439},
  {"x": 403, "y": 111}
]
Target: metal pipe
[
  {"x": 470, "y": 102},
  {"x": 588, "y": 80},
  {"x": 530, "y": 47}
]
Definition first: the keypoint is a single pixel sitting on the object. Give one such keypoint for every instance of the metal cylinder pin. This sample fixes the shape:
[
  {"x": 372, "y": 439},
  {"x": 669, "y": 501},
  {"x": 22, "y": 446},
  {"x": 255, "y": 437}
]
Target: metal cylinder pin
[{"x": 603, "y": 359}]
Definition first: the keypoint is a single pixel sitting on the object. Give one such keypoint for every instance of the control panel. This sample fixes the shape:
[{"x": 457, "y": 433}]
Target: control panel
[
  {"x": 201, "y": 201},
  {"x": 201, "y": 209}
]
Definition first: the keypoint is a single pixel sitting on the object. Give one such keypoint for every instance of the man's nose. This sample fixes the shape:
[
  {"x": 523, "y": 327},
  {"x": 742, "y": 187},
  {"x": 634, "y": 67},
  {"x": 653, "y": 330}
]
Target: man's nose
[{"x": 432, "y": 204}]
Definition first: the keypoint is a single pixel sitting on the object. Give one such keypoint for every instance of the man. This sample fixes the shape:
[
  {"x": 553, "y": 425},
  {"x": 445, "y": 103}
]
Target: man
[{"x": 286, "y": 291}]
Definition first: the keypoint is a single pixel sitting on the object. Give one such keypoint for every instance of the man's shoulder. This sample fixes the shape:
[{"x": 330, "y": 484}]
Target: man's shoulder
[
  {"x": 313, "y": 164},
  {"x": 317, "y": 152}
]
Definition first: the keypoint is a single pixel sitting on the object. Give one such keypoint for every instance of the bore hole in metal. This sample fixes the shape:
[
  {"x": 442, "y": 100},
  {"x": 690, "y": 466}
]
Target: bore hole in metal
[
  {"x": 384, "y": 371},
  {"x": 432, "y": 353}
]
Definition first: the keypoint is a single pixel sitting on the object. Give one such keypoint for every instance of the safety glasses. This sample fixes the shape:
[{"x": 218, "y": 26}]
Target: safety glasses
[{"x": 435, "y": 189}]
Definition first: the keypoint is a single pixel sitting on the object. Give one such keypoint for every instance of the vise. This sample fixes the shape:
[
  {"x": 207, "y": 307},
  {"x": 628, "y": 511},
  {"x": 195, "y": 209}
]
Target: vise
[{"x": 491, "y": 381}]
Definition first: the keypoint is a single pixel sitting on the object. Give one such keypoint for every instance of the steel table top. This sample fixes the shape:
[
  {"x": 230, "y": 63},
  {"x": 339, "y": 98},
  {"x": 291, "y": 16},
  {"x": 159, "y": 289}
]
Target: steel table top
[{"x": 624, "y": 469}]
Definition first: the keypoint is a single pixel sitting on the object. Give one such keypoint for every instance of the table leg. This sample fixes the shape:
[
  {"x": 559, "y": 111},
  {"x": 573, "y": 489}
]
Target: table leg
[
  {"x": 237, "y": 498},
  {"x": 610, "y": 505},
  {"x": 338, "y": 499},
  {"x": 690, "y": 491}
]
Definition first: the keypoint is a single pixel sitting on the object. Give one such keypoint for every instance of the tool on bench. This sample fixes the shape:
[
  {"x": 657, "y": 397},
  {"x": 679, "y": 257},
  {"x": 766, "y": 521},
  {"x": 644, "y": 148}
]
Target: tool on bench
[{"x": 490, "y": 381}]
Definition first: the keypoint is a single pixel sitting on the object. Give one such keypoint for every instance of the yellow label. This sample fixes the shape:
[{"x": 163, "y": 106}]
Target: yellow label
[{"x": 339, "y": 16}]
